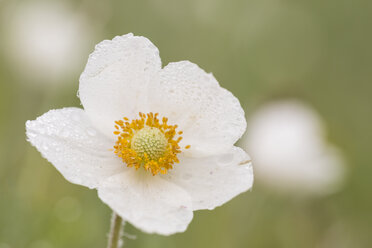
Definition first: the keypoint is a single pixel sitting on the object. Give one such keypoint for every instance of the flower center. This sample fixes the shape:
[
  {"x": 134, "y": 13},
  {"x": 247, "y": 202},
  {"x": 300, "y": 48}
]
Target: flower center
[{"x": 148, "y": 142}]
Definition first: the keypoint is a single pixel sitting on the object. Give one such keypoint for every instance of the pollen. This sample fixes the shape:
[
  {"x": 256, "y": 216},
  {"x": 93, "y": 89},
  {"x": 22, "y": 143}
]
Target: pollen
[{"x": 148, "y": 142}]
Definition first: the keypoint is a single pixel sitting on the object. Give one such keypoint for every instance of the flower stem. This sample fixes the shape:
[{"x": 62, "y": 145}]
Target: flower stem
[{"x": 116, "y": 230}]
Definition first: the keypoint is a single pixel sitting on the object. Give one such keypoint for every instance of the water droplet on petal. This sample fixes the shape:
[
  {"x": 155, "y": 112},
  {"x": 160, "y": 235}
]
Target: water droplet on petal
[
  {"x": 64, "y": 133},
  {"x": 32, "y": 135},
  {"x": 91, "y": 132},
  {"x": 45, "y": 147}
]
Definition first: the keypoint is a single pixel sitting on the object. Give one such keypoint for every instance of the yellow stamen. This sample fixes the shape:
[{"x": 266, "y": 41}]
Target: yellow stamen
[{"x": 148, "y": 142}]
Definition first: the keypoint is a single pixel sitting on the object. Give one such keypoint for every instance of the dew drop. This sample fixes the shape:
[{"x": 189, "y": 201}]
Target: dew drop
[
  {"x": 64, "y": 133},
  {"x": 32, "y": 135},
  {"x": 91, "y": 132},
  {"x": 45, "y": 147}
]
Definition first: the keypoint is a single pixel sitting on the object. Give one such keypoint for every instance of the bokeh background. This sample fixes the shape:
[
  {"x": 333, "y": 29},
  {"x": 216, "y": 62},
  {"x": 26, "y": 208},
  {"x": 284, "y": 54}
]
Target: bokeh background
[{"x": 316, "y": 51}]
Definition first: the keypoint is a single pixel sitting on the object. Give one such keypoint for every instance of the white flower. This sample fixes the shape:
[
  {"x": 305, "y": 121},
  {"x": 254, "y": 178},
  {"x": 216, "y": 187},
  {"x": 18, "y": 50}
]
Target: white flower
[
  {"x": 46, "y": 39},
  {"x": 286, "y": 141},
  {"x": 124, "y": 77}
]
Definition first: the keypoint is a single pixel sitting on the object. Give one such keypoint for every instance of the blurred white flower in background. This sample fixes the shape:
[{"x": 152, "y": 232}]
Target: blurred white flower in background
[
  {"x": 45, "y": 40},
  {"x": 287, "y": 144}
]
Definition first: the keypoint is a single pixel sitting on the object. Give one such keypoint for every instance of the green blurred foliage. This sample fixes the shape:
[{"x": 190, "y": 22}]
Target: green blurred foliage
[{"x": 318, "y": 51}]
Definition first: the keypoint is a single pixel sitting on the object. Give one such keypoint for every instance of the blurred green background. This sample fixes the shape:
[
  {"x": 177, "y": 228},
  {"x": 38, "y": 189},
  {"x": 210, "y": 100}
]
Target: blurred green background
[{"x": 318, "y": 51}]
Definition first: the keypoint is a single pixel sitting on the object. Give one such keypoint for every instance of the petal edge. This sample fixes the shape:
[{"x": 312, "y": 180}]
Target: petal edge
[
  {"x": 66, "y": 139},
  {"x": 212, "y": 181}
]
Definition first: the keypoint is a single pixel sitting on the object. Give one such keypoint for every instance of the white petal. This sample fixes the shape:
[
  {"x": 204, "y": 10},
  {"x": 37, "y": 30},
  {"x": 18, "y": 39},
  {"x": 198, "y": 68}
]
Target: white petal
[
  {"x": 65, "y": 137},
  {"x": 148, "y": 202},
  {"x": 114, "y": 82},
  {"x": 212, "y": 181},
  {"x": 210, "y": 116}
]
